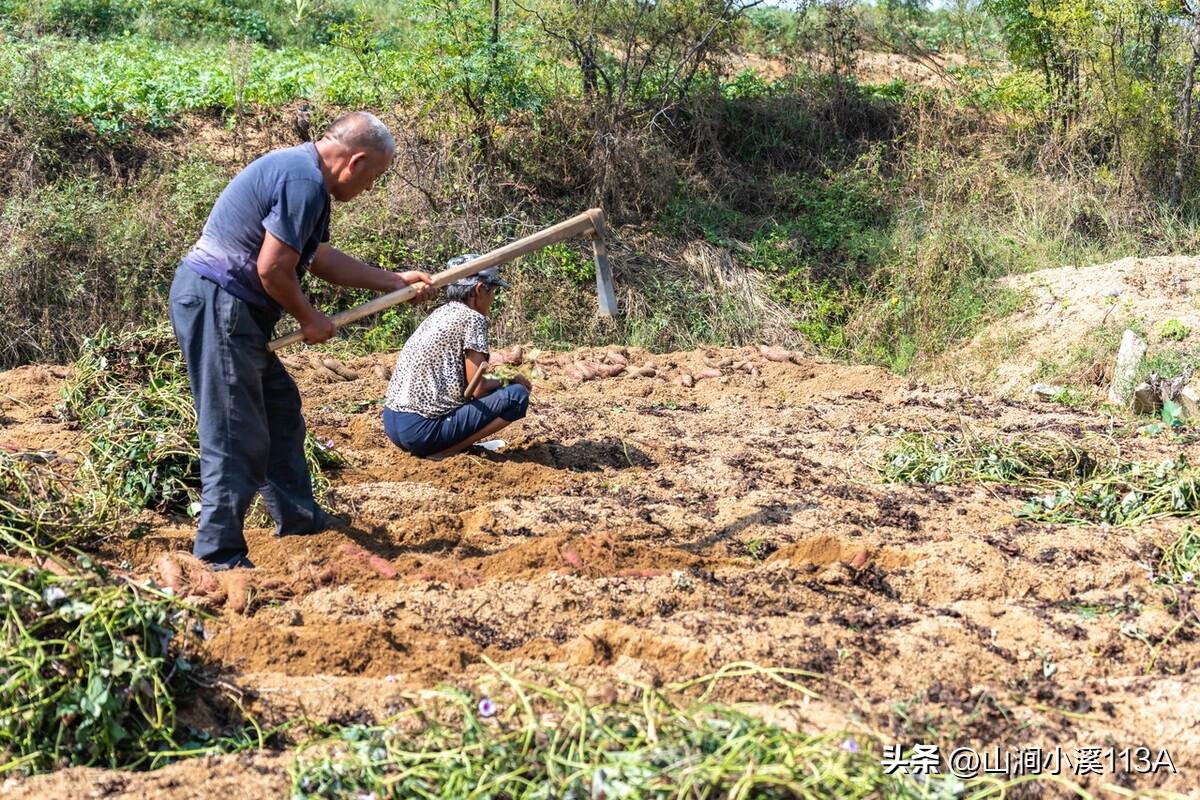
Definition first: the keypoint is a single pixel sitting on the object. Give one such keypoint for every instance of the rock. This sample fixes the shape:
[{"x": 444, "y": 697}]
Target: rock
[
  {"x": 1189, "y": 404},
  {"x": 1045, "y": 390},
  {"x": 1129, "y": 359},
  {"x": 1145, "y": 400},
  {"x": 687, "y": 381}
]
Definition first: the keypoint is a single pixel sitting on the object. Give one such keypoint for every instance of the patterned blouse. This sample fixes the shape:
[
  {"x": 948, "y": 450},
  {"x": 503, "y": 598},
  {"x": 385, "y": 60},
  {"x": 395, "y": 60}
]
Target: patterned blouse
[{"x": 429, "y": 378}]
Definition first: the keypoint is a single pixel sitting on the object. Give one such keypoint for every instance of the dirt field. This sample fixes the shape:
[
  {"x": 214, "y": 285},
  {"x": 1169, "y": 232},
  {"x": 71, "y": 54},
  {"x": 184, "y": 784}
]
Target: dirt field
[{"x": 639, "y": 529}]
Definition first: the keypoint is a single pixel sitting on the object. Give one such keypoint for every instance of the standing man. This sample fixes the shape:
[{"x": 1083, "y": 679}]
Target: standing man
[{"x": 270, "y": 224}]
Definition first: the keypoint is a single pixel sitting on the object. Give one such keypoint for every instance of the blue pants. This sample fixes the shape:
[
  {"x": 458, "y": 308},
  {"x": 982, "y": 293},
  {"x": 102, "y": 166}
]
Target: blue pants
[
  {"x": 422, "y": 436},
  {"x": 251, "y": 431}
]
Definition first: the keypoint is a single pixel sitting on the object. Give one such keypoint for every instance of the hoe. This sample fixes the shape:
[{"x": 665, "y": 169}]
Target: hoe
[{"x": 590, "y": 224}]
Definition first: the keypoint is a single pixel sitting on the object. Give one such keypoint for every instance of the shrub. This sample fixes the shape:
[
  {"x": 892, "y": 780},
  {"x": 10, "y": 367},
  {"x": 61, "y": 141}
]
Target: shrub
[
  {"x": 90, "y": 17},
  {"x": 1173, "y": 330}
]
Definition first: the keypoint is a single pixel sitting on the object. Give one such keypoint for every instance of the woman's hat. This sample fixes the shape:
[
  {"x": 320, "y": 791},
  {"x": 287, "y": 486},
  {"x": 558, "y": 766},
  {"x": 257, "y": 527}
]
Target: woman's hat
[{"x": 487, "y": 277}]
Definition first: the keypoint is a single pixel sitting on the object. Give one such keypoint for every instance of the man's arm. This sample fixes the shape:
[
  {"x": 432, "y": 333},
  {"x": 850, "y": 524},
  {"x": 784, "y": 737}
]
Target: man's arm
[
  {"x": 331, "y": 264},
  {"x": 277, "y": 270}
]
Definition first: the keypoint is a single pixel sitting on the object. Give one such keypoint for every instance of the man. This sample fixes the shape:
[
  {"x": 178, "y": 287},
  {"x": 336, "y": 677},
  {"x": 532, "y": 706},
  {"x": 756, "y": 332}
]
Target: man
[{"x": 270, "y": 225}]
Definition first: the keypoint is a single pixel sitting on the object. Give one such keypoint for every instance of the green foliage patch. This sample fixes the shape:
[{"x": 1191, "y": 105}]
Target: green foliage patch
[
  {"x": 41, "y": 509},
  {"x": 130, "y": 396},
  {"x": 551, "y": 742},
  {"x": 1066, "y": 483},
  {"x": 92, "y": 668}
]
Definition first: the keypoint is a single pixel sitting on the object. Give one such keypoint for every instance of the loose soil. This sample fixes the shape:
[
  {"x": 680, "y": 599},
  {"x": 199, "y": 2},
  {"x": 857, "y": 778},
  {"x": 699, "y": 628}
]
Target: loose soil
[
  {"x": 1061, "y": 313},
  {"x": 635, "y": 529}
]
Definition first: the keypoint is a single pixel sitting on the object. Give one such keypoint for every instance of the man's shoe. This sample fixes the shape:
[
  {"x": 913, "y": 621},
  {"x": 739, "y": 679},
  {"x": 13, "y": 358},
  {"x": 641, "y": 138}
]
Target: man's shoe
[
  {"x": 324, "y": 521},
  {"x": 330, "y": 522},
  {"x": 241, "y": 562}
]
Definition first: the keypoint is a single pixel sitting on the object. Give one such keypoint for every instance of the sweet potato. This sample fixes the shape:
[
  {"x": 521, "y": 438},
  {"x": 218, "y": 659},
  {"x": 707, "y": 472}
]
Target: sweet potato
[
  {"x": 189, "y": 577},
  {"x": 511, "y": 355},
  {"x": 570, "y": 557},
  {"x": 237, "y": 591},
  {"x": 774, "y": 353},
  {"x": 339, "y": 369},
  {"x": 318, "y": 365},
  {"x": 587, "y": 370},
  {"x": 170, "y": 574},
  {"x": 707, "y": 373},
  {"x": 610, "y": 370},
  {"x": 642, "y": 573},
  {"x": 687, "y": 380},
  {"x": 382, "y": 566}
]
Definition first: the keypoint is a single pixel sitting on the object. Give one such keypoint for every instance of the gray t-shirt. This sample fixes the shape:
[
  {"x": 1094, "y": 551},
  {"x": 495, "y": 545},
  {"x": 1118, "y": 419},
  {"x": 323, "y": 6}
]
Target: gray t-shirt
[
  {"x": 430, "y": 377},
  {"x": 282, "y": 192}
]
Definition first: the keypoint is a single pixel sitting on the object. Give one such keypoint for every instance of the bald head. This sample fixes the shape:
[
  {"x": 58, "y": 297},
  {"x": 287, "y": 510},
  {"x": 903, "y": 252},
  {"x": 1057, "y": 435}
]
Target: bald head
[
  {"x": 354, "y": 153},
  {"x": 359, "y": 131}
]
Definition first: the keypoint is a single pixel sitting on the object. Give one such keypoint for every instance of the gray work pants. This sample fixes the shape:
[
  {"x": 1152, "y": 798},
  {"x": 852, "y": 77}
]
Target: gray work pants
[{"x": 251, "y": 430}]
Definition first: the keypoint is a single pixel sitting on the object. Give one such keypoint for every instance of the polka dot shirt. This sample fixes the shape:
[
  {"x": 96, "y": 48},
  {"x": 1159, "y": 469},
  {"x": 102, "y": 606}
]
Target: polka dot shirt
[{"x": 429, "y": 377}]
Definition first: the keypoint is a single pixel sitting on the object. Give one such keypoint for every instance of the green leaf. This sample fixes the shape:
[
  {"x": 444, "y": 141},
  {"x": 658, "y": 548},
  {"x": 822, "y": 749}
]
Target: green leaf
[{"x": 1170, "y": 413}]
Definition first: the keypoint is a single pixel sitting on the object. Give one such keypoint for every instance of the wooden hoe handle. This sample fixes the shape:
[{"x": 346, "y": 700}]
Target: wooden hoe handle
[{"x": 585, "y": 223}]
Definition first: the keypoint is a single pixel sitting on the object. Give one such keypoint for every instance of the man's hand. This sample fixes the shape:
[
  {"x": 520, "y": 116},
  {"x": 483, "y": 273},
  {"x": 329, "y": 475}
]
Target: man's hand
[
  {"x": 331, "y": 264},
  {"x": 318, "y": 328},
  {"x": 521, "y": 379},
  {"x": 419, "y": 281}
]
